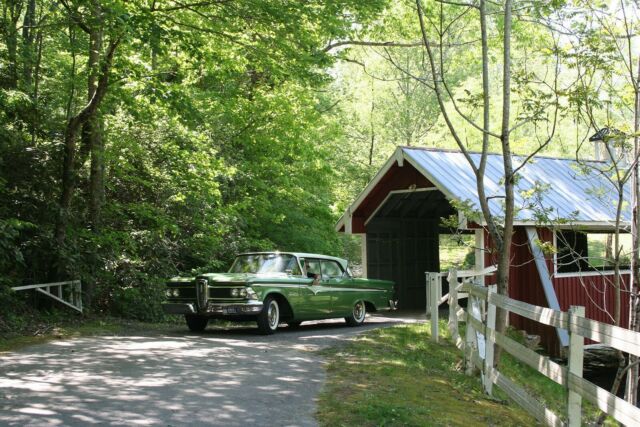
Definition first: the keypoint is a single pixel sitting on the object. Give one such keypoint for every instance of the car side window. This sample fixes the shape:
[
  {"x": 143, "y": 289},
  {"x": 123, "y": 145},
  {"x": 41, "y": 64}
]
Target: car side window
[
  {"x": 331, "y": 270},
  {"x": 293, "y": 267},
  {"x": 312, "y": 266}
]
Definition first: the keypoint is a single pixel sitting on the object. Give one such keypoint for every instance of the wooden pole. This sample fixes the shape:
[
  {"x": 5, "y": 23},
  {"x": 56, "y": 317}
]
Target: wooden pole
[
  {"x": 453, "y": 306},
  {"x": 434, "y": 301},
  {"x": 489, "y": 341},
  {"x": 575, "y": 364}
]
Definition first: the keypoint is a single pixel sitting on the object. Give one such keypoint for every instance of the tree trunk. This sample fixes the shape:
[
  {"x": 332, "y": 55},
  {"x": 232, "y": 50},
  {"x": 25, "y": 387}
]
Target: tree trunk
[
  {"x": 92, "y": 129},
  {"x": 634, "y": 299},
  {"x": 11, "y": 15},
  {"x": 36, "y": 89},
  {"x": 28, "y": 33},
  {"x": 69, "y": 167}
]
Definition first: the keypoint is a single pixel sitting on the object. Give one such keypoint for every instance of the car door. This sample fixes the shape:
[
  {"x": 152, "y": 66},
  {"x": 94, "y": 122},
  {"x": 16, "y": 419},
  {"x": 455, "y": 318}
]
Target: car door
[
  {"x": 339, "y": 285},
  {"x": 316, "y": 295}
]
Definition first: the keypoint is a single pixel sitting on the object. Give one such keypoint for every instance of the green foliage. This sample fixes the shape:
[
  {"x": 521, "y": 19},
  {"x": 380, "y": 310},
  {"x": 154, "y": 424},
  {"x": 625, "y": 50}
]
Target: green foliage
[
  {"x": 215, "y": 140},
  {"x": 140, "y": 300}
]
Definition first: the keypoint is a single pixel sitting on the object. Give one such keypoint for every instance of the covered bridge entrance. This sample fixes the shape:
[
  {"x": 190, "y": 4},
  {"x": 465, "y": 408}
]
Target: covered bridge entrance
[
  {"x": 402, "y": 241},
  {"x": 400, "y": 217}
]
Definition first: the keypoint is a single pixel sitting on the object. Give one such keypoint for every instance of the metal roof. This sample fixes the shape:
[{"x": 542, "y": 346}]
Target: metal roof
[
  {"x": 578, "y": 195},
  {"x": 570, "y": 193}
]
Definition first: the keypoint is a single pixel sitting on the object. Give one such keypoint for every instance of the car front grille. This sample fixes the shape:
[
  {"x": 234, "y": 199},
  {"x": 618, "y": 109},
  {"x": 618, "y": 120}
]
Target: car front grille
[
  {"x": 202, "y": 293},
  {"x": 222, "y": 293}
]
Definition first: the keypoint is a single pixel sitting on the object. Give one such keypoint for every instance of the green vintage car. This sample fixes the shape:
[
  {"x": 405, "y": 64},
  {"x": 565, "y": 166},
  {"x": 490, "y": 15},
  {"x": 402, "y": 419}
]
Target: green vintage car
[{"x": 274, "y": 287}]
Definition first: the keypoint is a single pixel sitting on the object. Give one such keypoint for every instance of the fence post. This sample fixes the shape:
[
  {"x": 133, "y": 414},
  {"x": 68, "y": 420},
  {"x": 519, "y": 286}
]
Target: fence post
[
  {"x": 490, "y": 342},
  {"x": 470, "y": 335},
  {"x": 433, "y": 303},
  {"x": 453, "y": 305},
  {"x": 575, "y": 364}
]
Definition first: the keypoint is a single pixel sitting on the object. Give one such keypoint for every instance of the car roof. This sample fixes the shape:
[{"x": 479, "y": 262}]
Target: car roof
[{"x": 341, "y": 261}]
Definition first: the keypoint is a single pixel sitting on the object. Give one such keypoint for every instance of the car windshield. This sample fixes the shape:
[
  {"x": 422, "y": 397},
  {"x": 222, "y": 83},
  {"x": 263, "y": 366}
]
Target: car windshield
[{"x": 265, "y": 263}]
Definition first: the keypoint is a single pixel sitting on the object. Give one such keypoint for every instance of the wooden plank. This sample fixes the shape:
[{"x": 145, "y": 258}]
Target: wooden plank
[
  {"x": 543, "y": 315},
  {"x": 490, "y": 342},
  {"x": 618, "y": 408},
  {"x": 615, "y": 336},
  {"x": 453, "y": 311},
  {"x": 545, "y": 279},
  {"x": 468, "y": 345},
  {"x": 463, "y": 274},
  {"x": 60, "y": 300},
  {"x": 525, "y": 400},
  {"x": 574, "y": 366},
  {"x": 434, "y": 284},
  {"x": 542, "y": 364},
  {"x": 44, "y": 285},
  {"x": 477, "y": 291}
]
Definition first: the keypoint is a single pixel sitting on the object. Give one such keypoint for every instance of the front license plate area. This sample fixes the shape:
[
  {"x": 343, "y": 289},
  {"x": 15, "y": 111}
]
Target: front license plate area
[{"x": 231, "y": 310}]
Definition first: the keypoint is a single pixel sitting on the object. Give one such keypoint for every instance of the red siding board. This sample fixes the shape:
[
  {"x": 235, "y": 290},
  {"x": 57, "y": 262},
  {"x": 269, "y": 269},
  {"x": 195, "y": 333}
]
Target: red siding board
[{"x": 592, "y": 292}]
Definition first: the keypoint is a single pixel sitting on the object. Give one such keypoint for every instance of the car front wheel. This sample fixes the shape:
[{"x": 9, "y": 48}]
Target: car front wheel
[
  {"x": 358, "y": 313},
  {"x": 196, "y": 323},
  {"x": 269, "y": 317}
]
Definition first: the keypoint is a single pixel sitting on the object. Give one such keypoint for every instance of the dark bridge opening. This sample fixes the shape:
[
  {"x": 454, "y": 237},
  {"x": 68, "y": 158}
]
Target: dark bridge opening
[{"x": 402, "y": 241}]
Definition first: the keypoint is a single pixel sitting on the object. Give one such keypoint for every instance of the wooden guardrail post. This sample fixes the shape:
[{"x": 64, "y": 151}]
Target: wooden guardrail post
[
  {"x": 453, "y": 307},
  {"x": 433, "y": 301},
  {"x": 574, "y": 366},
  {"x": 490, "y": 327},
  {"x": 469, "y": 336}
]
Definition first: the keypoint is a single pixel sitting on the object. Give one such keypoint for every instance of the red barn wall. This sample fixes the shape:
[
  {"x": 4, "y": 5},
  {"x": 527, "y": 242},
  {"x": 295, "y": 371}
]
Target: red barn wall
[{"x": 592, "y": 292}]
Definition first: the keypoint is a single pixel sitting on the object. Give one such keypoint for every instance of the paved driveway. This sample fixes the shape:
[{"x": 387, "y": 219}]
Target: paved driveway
[{"x": 221, "y": 377}]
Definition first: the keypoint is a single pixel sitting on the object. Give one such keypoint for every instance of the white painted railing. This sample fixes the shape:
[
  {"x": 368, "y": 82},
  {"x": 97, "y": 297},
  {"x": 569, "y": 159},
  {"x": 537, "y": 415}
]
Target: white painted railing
[
  {"x": 434, "y": 291},
  {"x": 68, "y": 293},
  {"x": 481, "y": 337}
]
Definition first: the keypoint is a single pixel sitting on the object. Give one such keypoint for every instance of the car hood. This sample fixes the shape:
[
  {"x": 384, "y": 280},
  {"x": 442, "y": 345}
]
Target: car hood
[{"x": 225, "y": 278}]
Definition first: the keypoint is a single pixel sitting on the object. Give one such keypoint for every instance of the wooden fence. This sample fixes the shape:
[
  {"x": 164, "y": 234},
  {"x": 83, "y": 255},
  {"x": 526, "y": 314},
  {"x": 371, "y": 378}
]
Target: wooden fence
[{"x": 481, "y": 336}]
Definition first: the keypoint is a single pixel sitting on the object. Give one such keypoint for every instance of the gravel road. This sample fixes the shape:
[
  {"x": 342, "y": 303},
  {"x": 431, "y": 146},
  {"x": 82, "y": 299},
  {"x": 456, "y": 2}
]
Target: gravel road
[{"x": 220, "y": 377}]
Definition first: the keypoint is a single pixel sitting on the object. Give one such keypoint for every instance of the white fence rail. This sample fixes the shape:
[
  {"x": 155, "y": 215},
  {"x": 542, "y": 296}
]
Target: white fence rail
[
  {"x": 68, "y": 293},
  {"x": 481, "y": 337},
  {"x": 434, "y": 291}
]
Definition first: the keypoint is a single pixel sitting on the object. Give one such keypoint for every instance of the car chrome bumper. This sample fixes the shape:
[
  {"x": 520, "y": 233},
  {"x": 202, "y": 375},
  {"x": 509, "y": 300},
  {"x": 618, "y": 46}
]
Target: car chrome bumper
[
  {"x": 233, "y": 309},
  {"x": 178, "y": 308},
  {"x": 230, "y": 309}
]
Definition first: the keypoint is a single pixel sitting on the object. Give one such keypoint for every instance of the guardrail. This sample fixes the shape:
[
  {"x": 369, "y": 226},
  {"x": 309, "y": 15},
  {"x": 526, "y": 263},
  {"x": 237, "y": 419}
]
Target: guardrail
[
  {"x": 481, "y": 337},
  {"x": 68, "y": 293},
  {"x": 435, "y": 298}
]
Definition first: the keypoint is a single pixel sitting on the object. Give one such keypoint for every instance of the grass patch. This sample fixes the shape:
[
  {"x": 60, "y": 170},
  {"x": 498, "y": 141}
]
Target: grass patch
[
  {"x": 397, "y": 377},
  {"x": 551, "y": 394}
]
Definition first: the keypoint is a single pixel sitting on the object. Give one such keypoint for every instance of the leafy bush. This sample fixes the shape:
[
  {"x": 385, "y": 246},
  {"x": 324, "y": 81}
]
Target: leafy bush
[{"x": 141, "y": 301}]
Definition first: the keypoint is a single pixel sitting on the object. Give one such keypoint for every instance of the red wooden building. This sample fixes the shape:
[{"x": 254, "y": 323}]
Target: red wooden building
[{"x": 399, "y": 215}]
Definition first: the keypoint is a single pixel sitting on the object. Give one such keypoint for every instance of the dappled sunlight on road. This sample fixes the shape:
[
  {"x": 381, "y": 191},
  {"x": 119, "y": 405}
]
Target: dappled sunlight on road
[{"x": 219, "y": 377}]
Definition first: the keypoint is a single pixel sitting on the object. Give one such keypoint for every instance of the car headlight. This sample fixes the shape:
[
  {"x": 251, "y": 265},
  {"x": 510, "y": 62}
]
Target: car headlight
[
  {"x": 169, "y": 292},
  {"x": 235, "y": 292},
  {"x": 176, "y": 292},
  {"x": 243, "y": 292}
]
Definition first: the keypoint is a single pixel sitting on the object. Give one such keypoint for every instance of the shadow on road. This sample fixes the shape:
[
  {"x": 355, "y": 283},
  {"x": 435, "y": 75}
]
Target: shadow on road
[{"x": 218, "y": 377}]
